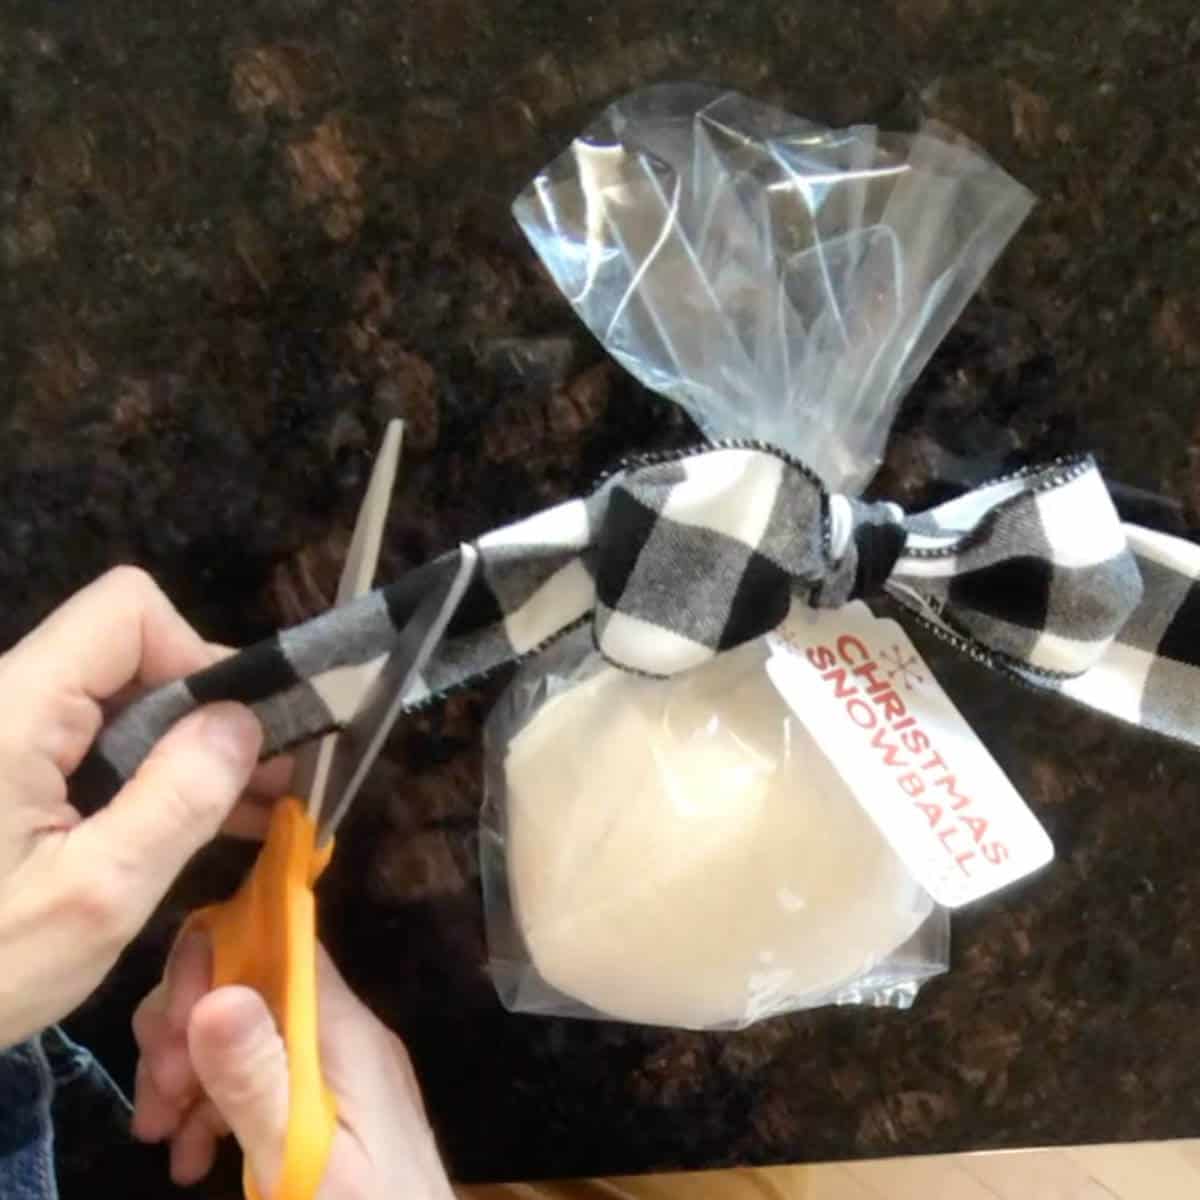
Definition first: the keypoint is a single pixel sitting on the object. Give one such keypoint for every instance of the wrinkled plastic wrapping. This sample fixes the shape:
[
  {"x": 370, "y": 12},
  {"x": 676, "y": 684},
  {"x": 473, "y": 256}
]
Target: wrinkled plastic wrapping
[
  {"x": 680, "y": 852},
  {"x": 777, "y": 280}
]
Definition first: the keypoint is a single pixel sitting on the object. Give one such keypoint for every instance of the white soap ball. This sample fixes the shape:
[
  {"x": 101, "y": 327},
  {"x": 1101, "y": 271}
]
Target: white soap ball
[{"x": 681, "y": 853}]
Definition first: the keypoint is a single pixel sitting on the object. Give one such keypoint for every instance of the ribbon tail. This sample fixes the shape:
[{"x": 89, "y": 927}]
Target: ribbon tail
[
  {"x": 1147, "y": 674},
  {"x": 1150, "y": 675},
  {"x": 531, "y": 584}
]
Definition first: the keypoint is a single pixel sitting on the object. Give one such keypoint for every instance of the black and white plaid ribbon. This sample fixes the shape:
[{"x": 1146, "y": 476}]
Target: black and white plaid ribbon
[{"x": 677, "y": 558}]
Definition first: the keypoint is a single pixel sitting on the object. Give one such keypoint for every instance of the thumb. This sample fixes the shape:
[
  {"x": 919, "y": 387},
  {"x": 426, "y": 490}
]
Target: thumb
[
  {"x": 241, "y": 1063},
  {"x": 177, "y": 801}
]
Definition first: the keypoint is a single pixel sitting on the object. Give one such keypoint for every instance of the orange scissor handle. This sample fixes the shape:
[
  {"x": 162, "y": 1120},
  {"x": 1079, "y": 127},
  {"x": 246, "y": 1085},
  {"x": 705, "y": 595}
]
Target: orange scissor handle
[{"x": 264, "y": 937}]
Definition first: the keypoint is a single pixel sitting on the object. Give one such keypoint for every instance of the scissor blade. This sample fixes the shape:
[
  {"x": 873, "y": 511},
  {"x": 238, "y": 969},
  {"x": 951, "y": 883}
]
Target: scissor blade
[
  {"x": 310, "y": 776},
  {"x": 363, "y": 556},
  {"x": 361, "y": 742}
]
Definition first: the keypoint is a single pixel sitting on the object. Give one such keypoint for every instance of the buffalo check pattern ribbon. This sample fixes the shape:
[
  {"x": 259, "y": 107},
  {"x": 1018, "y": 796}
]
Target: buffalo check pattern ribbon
[{"x": 676, "y": 558}]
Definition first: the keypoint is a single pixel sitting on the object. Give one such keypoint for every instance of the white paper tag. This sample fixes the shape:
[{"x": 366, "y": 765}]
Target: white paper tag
[{"x": 916, "y": 766}]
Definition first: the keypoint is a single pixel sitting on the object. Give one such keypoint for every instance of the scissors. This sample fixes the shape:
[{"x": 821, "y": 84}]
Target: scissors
[{"x": 264, "y": 937}]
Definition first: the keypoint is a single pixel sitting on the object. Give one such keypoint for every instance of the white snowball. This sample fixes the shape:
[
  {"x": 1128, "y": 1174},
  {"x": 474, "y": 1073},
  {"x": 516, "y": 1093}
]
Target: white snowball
[{"x": 681, "y": 853}]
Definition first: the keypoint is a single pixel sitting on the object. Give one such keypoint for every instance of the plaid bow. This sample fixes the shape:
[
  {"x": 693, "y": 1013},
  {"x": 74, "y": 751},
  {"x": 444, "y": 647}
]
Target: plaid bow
[{"x": 677, "y": 558}]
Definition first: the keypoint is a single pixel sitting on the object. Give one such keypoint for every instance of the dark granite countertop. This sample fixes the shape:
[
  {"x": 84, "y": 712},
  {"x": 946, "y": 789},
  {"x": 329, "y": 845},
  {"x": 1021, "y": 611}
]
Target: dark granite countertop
[{"x": 236, "y": 238}]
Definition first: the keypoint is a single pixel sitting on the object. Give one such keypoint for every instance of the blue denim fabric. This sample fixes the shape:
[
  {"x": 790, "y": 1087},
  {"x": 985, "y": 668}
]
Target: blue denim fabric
[
  {"x": 41, "y": 1081},
  {"x": 26, "y": 1124}
]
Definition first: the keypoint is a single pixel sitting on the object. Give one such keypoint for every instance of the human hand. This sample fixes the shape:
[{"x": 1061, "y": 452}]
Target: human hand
[
  {"x": 74, "y": 892},
  {"x": 213, "y": 1061}
]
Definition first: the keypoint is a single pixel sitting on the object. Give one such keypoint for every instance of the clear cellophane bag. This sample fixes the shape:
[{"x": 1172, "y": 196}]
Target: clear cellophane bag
[{"x": 679, "y": 852}]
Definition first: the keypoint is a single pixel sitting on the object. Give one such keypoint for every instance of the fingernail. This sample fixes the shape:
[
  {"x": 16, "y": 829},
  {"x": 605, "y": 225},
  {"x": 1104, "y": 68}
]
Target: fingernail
[{"x": 233, "y": 732}]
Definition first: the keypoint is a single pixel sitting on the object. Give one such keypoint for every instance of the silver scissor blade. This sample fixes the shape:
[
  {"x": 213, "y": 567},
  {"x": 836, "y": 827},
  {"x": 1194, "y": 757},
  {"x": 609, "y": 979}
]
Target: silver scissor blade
[
  {"x": 361, "y": 742},
  {"x": 358, "y": 574},
  {"x": 310, "y": 776}
]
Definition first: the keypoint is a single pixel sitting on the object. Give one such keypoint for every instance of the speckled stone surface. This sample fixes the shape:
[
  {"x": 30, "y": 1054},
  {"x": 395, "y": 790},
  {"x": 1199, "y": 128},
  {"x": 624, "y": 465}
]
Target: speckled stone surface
[{"x": 234, "y": 239}]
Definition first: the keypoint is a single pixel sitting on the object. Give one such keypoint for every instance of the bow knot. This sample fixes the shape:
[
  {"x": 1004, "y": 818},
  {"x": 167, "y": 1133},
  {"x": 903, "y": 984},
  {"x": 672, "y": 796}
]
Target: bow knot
[{"x": 700, "y": 553}]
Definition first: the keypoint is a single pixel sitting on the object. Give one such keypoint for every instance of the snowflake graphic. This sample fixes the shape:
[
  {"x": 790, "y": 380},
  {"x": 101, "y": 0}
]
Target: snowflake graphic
[{"x": 907, "y": 667}]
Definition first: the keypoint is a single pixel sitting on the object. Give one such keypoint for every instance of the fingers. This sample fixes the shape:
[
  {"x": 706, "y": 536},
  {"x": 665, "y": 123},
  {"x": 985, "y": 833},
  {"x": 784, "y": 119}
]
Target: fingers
[
  {"x": 166, "y": 1085},
  {"x": 194, "y": 1147},
  {"x": 119, "y": 630},
  {"x": 241, "y": 1063},
  {"x": 188, "y": 977},
  {"x": 102, "y": 648},
  {"x": 168, "y": 1103},
  {"x": 250, "y": 820},
  {"x": 155, "y": 1117},
  {"x": 365, "y": 1063},
  {"x": 239, "y": 1078},
  {"x": 252, "y": 817},
  {"x": 379, "y": 1099},
  {"x": 190, "y": 1039},
  {"x": 272, "y": 778},
  {"x": 136, "y": 846}
]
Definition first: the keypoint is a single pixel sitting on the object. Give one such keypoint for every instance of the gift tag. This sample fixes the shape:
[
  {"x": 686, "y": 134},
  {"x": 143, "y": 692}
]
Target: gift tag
[{"x": 916, "y": 766}]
